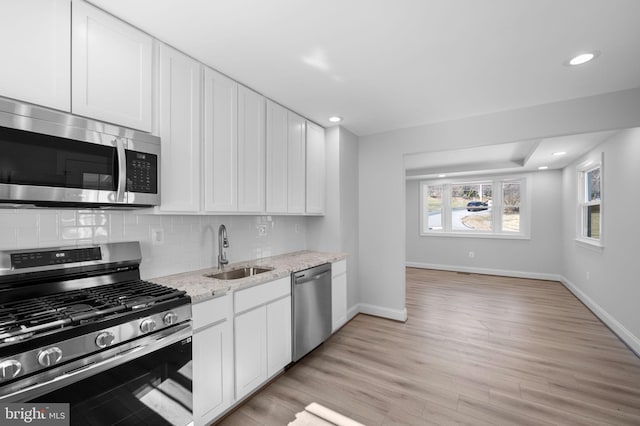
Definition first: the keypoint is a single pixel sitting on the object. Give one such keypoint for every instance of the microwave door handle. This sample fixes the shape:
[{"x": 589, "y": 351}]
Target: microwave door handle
[{"x": 122, "y": 170}]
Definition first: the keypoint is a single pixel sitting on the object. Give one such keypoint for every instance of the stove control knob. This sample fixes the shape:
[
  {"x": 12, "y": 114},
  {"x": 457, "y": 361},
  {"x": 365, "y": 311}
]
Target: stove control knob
[
  {"x": 9, "y": 369},
  {"x": 170, "y": 318},
  {"x": 105, "y": 339},
  {"x": 49, "y": 356},
  {"x": 148, "y": 325}
]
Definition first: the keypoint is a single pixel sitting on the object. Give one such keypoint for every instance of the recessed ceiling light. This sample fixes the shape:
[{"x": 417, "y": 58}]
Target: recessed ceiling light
[
  {"x": 582, "y": 58},
  {"x": 442, "y": 175},
  {"x": 335, "y": 119},
  {"x": 543, "y": 167},
  {"x": 559, "y": 153}
]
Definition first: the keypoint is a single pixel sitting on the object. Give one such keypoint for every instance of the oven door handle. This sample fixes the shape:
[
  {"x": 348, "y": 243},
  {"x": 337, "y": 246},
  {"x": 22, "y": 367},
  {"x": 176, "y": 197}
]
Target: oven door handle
[{"x": 134, "y": 350}]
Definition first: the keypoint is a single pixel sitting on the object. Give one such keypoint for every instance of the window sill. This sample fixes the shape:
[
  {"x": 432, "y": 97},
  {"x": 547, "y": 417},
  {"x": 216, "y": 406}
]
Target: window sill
[
  {"x": 588, "y": 243},
  {"x": 476, "y": 235}
]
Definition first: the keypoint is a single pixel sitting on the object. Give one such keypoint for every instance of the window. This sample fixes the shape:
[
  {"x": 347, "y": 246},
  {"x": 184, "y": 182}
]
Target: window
[
  {"x": 590, "y": 202},
  {"x": 511, "y": 195},
  {"x": 487, "y": 207}
]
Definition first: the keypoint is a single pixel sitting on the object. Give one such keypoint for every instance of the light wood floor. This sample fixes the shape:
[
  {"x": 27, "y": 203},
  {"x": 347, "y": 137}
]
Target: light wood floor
[{"x": 476, "y": 350}]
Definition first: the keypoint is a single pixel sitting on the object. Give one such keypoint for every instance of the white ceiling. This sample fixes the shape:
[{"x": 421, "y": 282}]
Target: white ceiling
[
  {"x": 384, "y": 65},
  {"x": 503, "y": 158}
]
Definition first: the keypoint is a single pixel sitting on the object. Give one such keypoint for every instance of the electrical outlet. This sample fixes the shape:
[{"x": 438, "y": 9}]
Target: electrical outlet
[
  {"x": 472, "y": 254},
  {"x": 262, "y": 230},
  {"x": 157, "y": 236}
]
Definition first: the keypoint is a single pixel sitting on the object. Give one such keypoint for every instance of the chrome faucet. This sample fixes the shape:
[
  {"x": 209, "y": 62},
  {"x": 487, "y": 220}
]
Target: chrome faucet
[{"x": 223, "y": 242}]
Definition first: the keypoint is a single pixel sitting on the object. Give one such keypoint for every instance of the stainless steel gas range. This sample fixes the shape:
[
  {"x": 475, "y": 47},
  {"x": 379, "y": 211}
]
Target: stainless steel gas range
[{"x": 79, "y": 326}]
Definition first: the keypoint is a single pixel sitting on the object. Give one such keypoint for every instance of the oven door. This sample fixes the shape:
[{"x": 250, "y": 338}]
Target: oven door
[{"x": 148, "y": 383}]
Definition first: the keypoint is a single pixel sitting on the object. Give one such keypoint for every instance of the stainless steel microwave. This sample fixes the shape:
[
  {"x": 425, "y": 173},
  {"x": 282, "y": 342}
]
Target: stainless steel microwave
[{"x": 53, "y": 159}]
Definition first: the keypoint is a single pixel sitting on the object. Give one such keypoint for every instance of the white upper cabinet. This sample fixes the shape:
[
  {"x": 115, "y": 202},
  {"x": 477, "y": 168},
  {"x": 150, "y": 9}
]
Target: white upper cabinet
[
  {"x": 180, "y": 112},
  {"x": 36, "y": 53},
  {"x": 277, "y": 165},
  {"x": 220, "y": 143},
  {"x": 112, "y": 69},
  {"x": 296, "y": 159},
  {"x": 315, "y": 169},
  {"x": 286, "y": 161},
  {"x": 251, "y": 151}
]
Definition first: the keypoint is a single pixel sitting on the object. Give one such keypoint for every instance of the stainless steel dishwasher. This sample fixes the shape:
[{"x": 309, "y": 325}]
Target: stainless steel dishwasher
[{"x": 311, "y": 301}]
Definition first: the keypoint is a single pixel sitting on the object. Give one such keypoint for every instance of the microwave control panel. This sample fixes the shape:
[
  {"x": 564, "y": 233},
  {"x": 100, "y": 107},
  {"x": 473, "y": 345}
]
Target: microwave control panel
[{"x": 142, "y": 172}]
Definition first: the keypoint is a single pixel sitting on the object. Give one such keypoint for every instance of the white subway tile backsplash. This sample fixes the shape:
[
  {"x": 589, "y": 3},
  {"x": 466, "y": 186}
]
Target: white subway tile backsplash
[
  {"x": 27, "y": 237},
  {"x": 189, "y": 241},
  {"x": 17, "y": 220},
  {"x": 48, "y": 228},
  {"x": 116, "y": 226},
  {"x": 8, "y": 238},
  {"x": 68, "y": 217}
]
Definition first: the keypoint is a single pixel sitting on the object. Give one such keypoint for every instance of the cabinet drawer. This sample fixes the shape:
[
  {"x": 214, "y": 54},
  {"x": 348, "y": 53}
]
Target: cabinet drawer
[
  {"x": 339, "y": 267},
  {"x": 210, "y": 311},
  {"x": 261, "y": 294}
]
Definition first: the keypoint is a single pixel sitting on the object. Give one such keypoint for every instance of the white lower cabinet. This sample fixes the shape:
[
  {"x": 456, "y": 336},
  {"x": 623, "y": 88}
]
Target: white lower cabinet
[
  {"x": 251, "y": 350},
  {"x": 262, "y": 333},
  {"x": 338, "y": 294},
  {"x": 278, "y": 335},
  {"x": 212, "y": 359},
  {"x": 240, "y": 341}
]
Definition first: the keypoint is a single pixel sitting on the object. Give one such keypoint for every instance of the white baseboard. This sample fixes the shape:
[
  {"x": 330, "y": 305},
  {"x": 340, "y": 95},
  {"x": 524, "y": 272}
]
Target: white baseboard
[
  {"x": 353, "y": 311},
  {"x": 487, "y": 271},
  {"x": 380, "y": 311},
  {"x": 625, "y": 335}
]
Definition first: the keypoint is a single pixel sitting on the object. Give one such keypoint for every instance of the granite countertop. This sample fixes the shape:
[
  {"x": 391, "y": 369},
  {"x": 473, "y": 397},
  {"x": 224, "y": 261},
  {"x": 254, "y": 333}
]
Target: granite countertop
[{"x": 201, "y": 288}]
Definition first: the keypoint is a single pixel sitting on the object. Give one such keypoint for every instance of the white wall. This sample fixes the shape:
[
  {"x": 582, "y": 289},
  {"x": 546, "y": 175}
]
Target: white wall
[
  {"x": 536, "y": 257},
  {"x": 612, "y": 290},
  {"x": 337, "y": 230},
  {"x": 190, "y": 242},
  {"x": 382, "y": 186}
]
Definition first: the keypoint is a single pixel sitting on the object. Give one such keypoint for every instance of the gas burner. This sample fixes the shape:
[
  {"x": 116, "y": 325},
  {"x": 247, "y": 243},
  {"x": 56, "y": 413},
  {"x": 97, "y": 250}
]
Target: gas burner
[
  {"x": 80, "y": 307},
  {"x": 139, "y": 302}
]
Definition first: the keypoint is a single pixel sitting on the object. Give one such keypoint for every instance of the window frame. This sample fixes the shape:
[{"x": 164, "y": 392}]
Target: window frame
[
  {"x": 497, "y": 207},
  {"x": 583, "y": 204}
]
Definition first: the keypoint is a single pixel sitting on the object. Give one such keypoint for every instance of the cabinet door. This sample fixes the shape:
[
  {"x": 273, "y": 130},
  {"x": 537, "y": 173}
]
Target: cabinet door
[
  {"x": 338, "y": 301},
  {"x": 297, "y": 163},
  {"x": 220, "y": 143},
  {"x": 315, "y": 169},
  {"x": 111, "y": 67},
  {"x": 179, "y": 105},
  {"x": 212, "y": 372},
  {"x": 251, "y": 350},
  {"x": 276, "y": 158},
  {"x": 251, "y": 151},
  {"x": 36, "y": 52},
  {"x": 338, "y": 294},
  {"x": 278, "y": 335}
]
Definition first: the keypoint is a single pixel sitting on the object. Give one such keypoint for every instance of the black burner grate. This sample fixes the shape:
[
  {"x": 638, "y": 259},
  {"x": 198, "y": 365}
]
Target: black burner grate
[{"x": 27, "y": 317}]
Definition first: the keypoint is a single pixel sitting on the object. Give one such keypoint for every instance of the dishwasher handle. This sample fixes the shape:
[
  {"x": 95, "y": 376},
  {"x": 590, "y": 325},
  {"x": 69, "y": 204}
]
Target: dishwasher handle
[{"x": 302, "y": 279}]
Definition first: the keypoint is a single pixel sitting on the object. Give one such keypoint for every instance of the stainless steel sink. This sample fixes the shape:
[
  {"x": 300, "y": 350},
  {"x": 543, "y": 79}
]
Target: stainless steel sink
[{"x": 234, "y": 274}]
